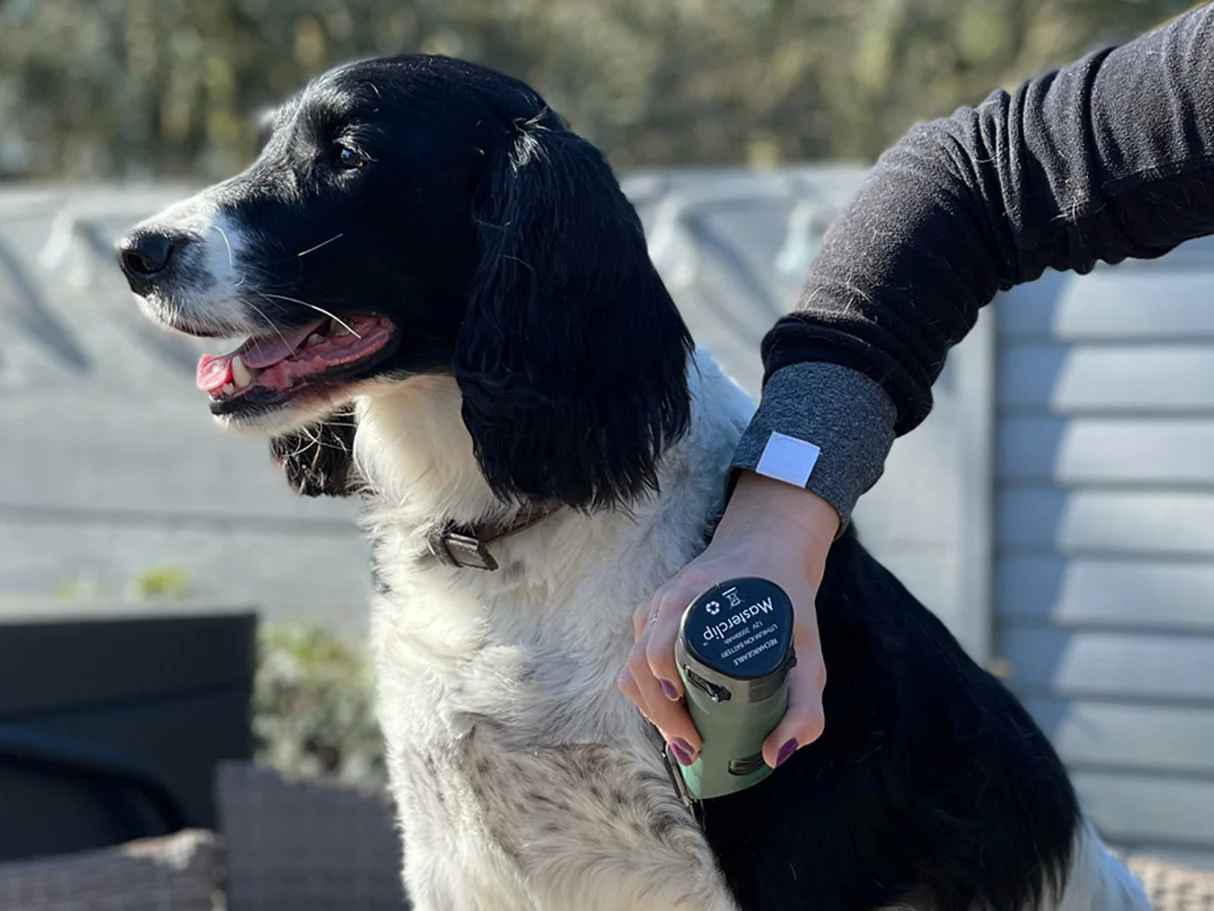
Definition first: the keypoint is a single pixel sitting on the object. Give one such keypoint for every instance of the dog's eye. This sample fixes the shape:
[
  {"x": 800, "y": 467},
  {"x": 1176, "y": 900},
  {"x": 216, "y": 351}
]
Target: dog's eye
[{"x": 348, "y": 159}]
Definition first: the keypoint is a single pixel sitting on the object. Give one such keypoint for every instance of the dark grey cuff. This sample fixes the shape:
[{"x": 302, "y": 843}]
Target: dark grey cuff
[{"x": 848, "y": 416}]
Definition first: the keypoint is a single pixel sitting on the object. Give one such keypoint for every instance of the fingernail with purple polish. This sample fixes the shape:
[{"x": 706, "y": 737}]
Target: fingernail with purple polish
[
  {"x": 668, "y": 690},
  {"x": 786, "y": 752},
  {"x": 682, "y": 751}
]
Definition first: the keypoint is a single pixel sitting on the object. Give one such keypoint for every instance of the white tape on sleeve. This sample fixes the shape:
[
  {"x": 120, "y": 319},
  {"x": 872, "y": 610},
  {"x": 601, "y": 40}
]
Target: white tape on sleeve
[{"x": 788, "y": 459}]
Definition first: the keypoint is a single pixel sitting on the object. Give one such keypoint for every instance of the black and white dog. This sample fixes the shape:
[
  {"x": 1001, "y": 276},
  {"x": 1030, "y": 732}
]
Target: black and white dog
[{"x": 451, "y": 312}]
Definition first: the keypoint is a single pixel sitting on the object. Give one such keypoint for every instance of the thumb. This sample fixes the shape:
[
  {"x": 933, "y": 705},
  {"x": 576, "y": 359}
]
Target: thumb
[{"x": 804, "y": 720}]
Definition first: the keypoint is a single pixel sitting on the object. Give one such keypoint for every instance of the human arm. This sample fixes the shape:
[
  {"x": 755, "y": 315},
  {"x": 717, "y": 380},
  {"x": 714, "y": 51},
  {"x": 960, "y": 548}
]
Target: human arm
[{"x": 1109, "y": 158}]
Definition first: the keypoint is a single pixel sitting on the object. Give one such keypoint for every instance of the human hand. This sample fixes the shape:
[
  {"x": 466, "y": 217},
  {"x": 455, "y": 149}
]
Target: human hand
[{"x": 771, "y": 530}]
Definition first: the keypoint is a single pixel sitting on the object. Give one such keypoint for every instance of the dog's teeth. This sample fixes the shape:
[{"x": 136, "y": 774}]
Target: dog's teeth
[
  {"x": 241, "y": 374},
  {"x": 228, "y": 389},
  {"x": 341, "y": 330},
  {"x": 314, "y": 339}
]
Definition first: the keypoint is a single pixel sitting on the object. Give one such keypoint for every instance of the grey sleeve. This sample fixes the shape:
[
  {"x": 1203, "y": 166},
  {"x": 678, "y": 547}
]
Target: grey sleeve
[{"x": 848, "y": 416}]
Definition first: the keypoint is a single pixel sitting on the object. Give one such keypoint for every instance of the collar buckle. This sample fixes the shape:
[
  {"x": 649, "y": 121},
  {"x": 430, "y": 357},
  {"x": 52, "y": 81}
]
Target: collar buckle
[
  {"x": 458, "y": 548},
  {"x": 466, "y": 545}
]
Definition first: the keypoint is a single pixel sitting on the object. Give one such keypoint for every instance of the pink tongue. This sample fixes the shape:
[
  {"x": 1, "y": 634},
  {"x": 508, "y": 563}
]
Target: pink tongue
[
  {"x": 264, "y": 352},
  {"x": 216, "y": 370},
  {"x": 213, "y": 372}
]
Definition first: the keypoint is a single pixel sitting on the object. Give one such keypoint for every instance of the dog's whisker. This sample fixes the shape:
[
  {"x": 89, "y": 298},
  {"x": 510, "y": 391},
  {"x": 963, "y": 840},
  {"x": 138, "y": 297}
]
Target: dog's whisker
[
  {"x": 231, "y": 259},
  {"x": 333, "y": 316},
  {"x": 323, "y": 243},
  {"x": 227, "y": 243},
  {"x": 269, "y": 323}
]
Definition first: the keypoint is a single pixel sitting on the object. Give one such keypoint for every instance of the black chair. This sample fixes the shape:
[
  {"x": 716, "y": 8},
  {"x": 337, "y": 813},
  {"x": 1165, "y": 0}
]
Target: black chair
[{"x": 110, "y": 727}]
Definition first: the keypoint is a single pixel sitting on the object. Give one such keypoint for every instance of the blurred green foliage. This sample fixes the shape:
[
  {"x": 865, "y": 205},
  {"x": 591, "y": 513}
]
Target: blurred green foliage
[
  {"x": 313, "y": 705},
  {"x": 133, "y": 88},
  {"x": 155, "y": 583},
  {"x": 161, "y": 583}
]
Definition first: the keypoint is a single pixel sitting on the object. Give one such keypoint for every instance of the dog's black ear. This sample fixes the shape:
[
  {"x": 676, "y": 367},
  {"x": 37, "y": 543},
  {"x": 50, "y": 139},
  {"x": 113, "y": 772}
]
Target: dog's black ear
[
  {"x": 572, "y": 357},
  {"x": 319, "y": 459}
]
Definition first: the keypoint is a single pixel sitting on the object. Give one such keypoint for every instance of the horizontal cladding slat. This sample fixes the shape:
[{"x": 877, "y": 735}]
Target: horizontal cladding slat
[
  {"x": 1138, "y": 808},
  {"x": 97, "y": 456},
  {"x": 281, "y": 573},
  {"x": 1071, "y": 379},
  {"x": 1174, "y": 739},
  {"x": 1163, "y": 523},
  {"x": 1125, "y": 593},
  {"x": 1077, "y": 663},
  {"x": 1110, "y": 304},
  {"x": 1091, "y": 450}
]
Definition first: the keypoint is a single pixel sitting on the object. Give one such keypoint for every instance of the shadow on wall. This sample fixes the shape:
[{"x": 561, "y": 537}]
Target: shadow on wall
[{"x": 29, "y": 309}]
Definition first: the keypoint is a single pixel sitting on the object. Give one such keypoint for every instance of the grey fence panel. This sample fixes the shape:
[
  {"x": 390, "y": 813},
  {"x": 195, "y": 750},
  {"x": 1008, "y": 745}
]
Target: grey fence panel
[{"x": 1104, "y": 582}]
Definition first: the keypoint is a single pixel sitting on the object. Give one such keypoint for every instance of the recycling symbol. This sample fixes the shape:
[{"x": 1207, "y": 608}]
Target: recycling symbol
[{"x": 713, "y": 607}]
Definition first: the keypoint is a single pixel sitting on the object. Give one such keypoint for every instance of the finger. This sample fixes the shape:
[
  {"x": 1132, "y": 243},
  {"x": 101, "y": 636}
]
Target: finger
[
  {"x": 629, "y": 680},
  {"x": 668, "y": 716},
  {"x": 642, "y": 615},
  {"x": 662, "y": 632},
  {"x": 628, "y": 686},
  {"x": 682, "y": 589},
  {"x": 646, "y": 689},
  {"x": 804, "y": 721}
]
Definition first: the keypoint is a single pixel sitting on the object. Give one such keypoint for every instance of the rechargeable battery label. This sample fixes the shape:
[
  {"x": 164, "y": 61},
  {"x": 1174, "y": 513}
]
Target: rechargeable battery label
[
  {"x": 742, "y": 630},
  {"x": 754, "y": 644}
]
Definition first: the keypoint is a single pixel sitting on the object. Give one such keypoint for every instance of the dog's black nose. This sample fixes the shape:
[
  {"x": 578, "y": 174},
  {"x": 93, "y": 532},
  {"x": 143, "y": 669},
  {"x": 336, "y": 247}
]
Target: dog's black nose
[{"x": 144, "y": 254}]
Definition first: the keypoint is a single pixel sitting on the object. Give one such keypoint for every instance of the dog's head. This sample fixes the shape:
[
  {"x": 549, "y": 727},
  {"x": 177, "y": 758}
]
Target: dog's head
[{"x": 422, "y": 215}]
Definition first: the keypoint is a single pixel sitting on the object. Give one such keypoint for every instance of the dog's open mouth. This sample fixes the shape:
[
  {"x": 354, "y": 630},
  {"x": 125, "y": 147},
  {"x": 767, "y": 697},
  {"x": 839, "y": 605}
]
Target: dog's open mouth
[{"x": 271, "y": 369}]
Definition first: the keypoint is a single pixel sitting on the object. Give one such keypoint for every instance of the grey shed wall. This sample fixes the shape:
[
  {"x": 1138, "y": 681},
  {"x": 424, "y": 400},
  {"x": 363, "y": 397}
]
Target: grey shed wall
[{"x": 1104, "y": 583}]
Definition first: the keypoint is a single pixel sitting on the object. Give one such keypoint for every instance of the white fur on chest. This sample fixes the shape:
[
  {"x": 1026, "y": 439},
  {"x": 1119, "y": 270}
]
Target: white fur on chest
[{"x": 520, "y": 771}]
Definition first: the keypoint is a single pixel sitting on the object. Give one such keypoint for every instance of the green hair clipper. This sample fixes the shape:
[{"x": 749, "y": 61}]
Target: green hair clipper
[{"x": 734, "y": 653}]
